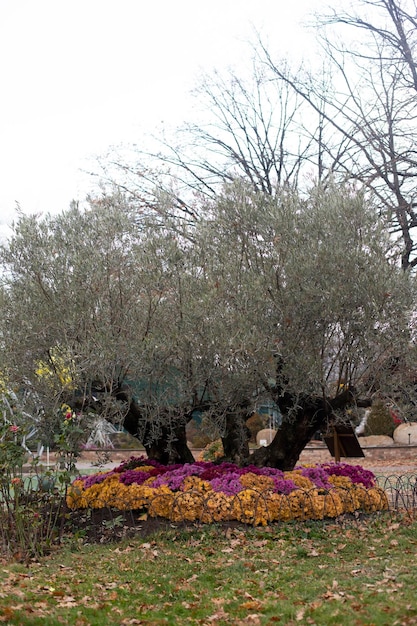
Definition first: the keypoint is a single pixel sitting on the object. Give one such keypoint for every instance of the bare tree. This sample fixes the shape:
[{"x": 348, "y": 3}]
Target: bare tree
[
  {"x": 251, "y": 128},
  {"x": 371, "y": 106}
]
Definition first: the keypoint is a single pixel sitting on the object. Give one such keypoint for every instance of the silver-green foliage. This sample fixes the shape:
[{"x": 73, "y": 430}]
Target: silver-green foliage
[{"x": 196, "y": 315}]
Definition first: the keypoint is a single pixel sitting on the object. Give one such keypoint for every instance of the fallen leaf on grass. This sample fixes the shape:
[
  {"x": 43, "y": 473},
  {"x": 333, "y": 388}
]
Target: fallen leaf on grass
[
  {"x": 7, "y": 614},
  {"x": 251, "y": 605},
  {"x": 217, "y": 616},
  {"x": 68, "y": 601},
  {"x": 247, "y": 595},
  {"x": 192, "y": 578},
  {"x": 330, "y": 595},
  {"x": 300, "y": 615},
  {"x": 315, "y": 605},
  {"x": 127, "y": 549}
]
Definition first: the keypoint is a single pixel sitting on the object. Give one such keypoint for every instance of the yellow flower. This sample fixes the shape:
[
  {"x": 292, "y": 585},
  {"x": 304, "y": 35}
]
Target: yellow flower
[
  {"x": 191, "y": 483},
  {"x": 251, "y": 507},
  {"x": 187, "y": 506},
  {"x": 259, "y": 483},
  {"x": 341, "y": 481},
  {"x": 301, "y": 481},
  {"x": 217, "y": 507},
  {"x": 59, "y": 368}
]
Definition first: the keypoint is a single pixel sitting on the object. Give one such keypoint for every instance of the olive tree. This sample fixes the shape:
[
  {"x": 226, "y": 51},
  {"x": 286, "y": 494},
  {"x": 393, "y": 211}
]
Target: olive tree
[
  {"x": 315, "y": 302},
  {"x": 297, "y": 300},
  {"x": 91, "y": 301}
]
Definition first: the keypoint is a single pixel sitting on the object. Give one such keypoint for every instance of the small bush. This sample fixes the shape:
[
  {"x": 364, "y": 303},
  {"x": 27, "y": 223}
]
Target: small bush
[
  {"x": 255, "y": 423},
  {"x": 212, "y": 451},
  {"x": 379, "y": 421},
  {"x": 32, "y": 497}
]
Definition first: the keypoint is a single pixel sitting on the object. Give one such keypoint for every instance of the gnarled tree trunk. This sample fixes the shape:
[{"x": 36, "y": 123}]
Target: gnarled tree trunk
[
  {"x": 164, "y": 443},
  {"x": 169, "y": 446},
  {"x": 294, "y": 434},
  {"x": 292, "y": 437},
  {"x": 236, "y": 437}
]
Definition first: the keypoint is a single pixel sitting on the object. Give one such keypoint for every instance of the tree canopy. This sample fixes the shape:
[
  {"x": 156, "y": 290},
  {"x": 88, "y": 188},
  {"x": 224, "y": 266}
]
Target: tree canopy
[{"x": 296, "y": 300}]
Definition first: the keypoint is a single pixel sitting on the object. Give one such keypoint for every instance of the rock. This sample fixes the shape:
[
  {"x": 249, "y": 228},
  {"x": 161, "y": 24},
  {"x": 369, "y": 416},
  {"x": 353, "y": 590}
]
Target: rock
[
  {"x": 406, "y": 434},
  {"x": 265, "y": 436},
  {"x": 376, "y": 440}
]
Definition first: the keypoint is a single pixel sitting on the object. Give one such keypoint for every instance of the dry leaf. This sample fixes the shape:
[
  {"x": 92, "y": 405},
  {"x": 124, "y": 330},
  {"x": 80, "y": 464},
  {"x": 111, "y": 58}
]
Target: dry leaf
[{"x": 300, "y": 615}]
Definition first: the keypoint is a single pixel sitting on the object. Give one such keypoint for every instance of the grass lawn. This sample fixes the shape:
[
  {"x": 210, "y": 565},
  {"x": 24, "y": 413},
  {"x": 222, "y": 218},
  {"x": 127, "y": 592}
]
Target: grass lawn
[{"x": 354, "y": 572}]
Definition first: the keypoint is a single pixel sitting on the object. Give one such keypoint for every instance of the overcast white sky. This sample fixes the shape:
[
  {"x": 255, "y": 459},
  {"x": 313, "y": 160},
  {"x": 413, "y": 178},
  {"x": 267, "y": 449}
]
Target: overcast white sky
[{"x": 80, "y": 75}]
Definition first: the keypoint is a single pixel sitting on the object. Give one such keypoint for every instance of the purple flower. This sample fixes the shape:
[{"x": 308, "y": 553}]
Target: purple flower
[
  {"x": 225, "y": 477},
  {"x": 318, "y": 476},
  {"x": 228, "y": 484},
  {"x": 284, "y": 486},
  {"x": 95, "y": 479},
  {"x": 132, "y": 476},
  {"x": 271, "y": 471},
  {"x": 356, "y": 473},
  {"x": 174, "y": 478}
]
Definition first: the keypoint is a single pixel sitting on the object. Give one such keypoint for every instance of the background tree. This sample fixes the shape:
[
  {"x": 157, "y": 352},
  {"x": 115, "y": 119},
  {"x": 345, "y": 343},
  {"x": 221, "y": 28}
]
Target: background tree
[
  {"x": 370, "y": 101},
  {"x": 250, "y": 128},
  {"x": 92, "y": 287}
]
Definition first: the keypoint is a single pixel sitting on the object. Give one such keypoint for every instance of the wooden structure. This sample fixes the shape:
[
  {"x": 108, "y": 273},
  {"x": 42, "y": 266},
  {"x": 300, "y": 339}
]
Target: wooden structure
[{"x": 342, "y": 441}]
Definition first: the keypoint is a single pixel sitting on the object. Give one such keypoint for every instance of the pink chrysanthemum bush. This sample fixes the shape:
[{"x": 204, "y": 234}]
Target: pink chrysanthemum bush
[{"x": 209, "y": 492}]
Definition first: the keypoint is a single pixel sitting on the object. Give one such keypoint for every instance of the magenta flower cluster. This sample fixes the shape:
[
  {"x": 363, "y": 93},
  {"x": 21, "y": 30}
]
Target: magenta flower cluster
[
  {"x": 356, "y": 473},
  {"x": 225, "y": 477},
  {"x": 318, "y": 475}
]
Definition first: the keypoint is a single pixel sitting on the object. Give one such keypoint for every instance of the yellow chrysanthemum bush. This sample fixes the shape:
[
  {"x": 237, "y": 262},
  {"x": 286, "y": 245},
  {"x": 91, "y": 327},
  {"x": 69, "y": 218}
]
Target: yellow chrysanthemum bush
[{"x": 208, "y": 492}]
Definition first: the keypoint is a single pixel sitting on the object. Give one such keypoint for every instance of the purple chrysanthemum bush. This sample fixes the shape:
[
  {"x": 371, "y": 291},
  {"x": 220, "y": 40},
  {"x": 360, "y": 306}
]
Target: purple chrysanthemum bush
[{"x": 209, "y": 492}]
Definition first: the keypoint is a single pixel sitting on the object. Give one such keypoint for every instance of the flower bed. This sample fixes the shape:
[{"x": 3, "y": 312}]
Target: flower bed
[{"x": 211, "y": 492}]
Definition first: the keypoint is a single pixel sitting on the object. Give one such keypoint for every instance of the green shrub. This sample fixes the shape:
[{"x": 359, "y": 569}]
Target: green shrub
[
  {"x": 255, "y": 423},
  {"x": 379, "y": 421},
  {"x": 212, "y": 452},
  {"x": 32, "y": 496}
]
